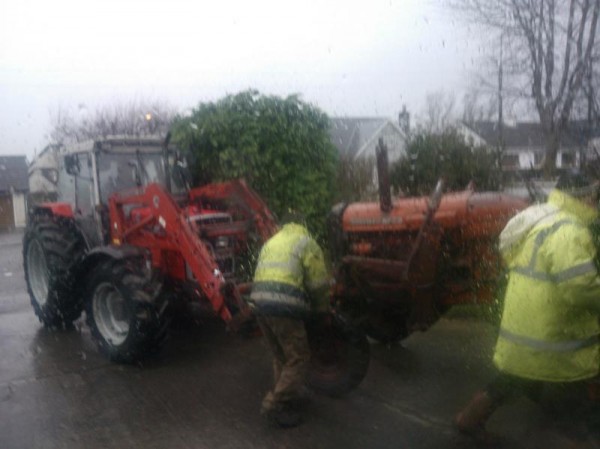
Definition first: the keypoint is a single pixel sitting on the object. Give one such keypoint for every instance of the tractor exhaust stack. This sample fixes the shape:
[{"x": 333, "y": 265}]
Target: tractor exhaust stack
[{"x": 383, "y": 176}]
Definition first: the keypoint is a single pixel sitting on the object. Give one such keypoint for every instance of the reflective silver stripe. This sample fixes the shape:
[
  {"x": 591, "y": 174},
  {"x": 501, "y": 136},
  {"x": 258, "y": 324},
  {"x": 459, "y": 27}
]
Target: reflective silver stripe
[
  {"x": 577, "y": 270},
  {"x": 539, "y": 275},
  {"x": 541, "y": 237},
  {"x": 315, "y": 285},
  {"x": 561, "y": 276},
  {"x": 289, "y": 265},
  {"x": 265, "y": 297},
  {"x": 293, "y": 264},
  {"x": 300, "y": 246},
  {"x": 552, "y": 346}
]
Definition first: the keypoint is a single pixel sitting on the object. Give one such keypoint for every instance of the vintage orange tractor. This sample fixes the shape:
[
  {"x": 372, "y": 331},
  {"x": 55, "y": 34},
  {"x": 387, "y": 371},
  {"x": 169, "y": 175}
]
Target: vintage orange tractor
[
  {"x": 129, "y": 236},
  {"x": 399, "y": 264}
]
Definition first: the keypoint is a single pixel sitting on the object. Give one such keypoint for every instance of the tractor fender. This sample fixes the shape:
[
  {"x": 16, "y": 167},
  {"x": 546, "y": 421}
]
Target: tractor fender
[
  {"x": 107, "y": 252},
  {"x": 61, "y": 213},
  {"x": 58, "y": 209},
  {"x": 336, "y": 231}
]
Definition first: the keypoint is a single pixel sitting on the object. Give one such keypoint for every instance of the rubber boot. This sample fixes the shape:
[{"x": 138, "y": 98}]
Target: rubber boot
[
  {"x": 472, "y": 419},
  {"x": 284, "y": 416}
]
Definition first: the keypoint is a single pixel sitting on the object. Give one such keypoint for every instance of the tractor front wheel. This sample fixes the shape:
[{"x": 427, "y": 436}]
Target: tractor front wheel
[
  {"x": 340, "y": 357},
  {"x": 122, "y": 310},
  {"x": 386, "y": 325}
]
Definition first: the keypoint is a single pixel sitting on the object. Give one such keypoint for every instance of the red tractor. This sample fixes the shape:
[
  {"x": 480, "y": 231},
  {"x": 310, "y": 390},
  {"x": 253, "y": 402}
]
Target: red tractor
[
  {"x": 129, "y": 236},
  {"x": 400, "y": 264}
]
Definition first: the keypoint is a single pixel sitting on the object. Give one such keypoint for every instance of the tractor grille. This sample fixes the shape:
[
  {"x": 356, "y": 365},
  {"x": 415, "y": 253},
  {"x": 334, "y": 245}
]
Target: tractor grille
[{"x": 221, "y": 246}]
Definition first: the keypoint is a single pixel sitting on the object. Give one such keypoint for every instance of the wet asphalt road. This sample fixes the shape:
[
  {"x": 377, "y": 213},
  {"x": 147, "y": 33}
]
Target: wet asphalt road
[{"x": 204, "y": 389}]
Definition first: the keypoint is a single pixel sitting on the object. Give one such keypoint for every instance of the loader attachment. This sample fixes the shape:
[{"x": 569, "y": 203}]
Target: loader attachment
[{"x": 165, "y": 228}]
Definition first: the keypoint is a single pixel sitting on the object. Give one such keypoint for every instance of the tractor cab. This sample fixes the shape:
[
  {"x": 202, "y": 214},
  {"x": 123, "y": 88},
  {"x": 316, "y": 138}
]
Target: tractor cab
[{"x": 90, "y": 172}]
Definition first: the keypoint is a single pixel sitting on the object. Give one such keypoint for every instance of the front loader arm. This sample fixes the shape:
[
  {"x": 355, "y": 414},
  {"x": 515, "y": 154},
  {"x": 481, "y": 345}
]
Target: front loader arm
[
  {"x": 245, "y": 198},
  {"x": 166, "y": 228}
]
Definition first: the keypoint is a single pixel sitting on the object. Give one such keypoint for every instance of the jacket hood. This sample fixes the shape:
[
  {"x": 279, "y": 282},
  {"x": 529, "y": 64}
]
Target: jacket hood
[
  {"x": 573, "y": 206},
  {"x": 519, "y": 226}
]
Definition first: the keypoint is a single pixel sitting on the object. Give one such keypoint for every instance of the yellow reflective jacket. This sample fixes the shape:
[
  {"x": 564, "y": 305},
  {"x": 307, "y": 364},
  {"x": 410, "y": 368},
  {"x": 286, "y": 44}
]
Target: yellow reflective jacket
[
  {"x": 290, "y": 278},
  {"x": 550, "y": 325}
]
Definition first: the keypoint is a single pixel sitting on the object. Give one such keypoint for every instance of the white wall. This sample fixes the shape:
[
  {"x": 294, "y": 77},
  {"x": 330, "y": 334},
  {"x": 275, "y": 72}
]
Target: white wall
[
  {"x": 526, "y": 159},
  {"x": 559, "y": 158},
  {"x": 38, "y": 183},
  {"x": 393, "y": 140},
  {"x": 470, "y": 136},
  {"x": 19, "y": 209}
]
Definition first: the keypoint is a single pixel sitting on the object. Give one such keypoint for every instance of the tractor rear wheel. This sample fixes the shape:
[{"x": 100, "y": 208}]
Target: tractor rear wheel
[
  {"x": 122, "y": 310},
  {"x": 51, "y": 247},
  {"x": 340, "y": 357}
]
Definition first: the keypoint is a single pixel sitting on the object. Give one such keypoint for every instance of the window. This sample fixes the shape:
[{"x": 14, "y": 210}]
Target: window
[
  {"x": 84, "y": 186},
  {"x": 510, "y": 161},
  {"x": 567, "y": 160}
]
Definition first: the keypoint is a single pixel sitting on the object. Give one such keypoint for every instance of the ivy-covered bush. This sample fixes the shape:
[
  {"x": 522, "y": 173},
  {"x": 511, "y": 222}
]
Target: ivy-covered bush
[
  {"x": 280, "y": 146},
  {"x": 430, "y": 156}
]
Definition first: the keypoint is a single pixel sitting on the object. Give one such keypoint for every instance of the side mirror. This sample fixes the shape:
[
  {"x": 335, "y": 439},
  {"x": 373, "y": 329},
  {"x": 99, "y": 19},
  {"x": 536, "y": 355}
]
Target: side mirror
[
  {"x": 135, "y": 173},
  {"x": 72, "y": 166},
  {"x": 51, "y": 175},
  {"x": 182, "y": 175}
]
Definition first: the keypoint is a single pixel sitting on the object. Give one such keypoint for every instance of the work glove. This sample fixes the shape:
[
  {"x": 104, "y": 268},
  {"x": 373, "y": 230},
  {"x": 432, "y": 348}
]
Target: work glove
[{"x": 321, "y": 319}]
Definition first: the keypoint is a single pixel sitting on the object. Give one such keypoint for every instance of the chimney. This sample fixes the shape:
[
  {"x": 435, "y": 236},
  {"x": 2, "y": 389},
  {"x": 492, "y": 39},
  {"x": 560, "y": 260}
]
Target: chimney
[{"x": 404, "y": 120}]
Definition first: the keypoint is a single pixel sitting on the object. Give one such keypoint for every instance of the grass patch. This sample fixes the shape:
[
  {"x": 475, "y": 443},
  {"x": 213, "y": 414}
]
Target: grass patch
[{"x": 486, "y": 312}]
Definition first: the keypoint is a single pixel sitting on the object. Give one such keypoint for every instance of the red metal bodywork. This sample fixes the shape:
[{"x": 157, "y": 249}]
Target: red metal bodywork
[
  {"x": 151, "y": 218},
  {"x": 58, "y": 209}
]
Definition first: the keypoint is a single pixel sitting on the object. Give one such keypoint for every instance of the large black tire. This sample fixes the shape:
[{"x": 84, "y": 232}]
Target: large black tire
[
  {"x": 386, "y": 325},
  {"x": 124, "y": 310},
  {"x": 340, "y": 357},
  {"x": 51, "y": 248},
  {"x": 382, "y": 322}
]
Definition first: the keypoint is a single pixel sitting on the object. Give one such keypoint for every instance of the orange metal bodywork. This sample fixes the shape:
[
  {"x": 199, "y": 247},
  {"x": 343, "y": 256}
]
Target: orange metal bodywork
[
  {"x": 478, "y": 214},
  {"x": 383, "y": 262}
]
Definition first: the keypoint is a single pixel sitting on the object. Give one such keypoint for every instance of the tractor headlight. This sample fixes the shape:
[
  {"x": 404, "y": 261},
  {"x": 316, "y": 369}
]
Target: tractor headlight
[{"x": 222, "y": 242}]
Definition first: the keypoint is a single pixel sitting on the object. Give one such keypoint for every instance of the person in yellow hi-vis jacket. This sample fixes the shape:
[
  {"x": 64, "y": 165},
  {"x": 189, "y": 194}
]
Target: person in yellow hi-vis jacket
[
  {"x": 549, "y": 337},
  {"x": 291, "y": 283}
]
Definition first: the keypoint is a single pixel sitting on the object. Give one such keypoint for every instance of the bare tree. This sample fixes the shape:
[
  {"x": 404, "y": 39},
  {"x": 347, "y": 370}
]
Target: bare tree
[
  {"x": 550, "y": 47},
  {"x": 478, "y": 105},
  {"x": 439, "y": 111},
  {"x": 587, "y": 103},
  {"x": 136, "y": 118}
]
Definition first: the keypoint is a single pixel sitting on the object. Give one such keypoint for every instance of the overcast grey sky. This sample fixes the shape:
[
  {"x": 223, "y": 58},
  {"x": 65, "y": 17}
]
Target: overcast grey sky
[{"x": 348, "y": 57}]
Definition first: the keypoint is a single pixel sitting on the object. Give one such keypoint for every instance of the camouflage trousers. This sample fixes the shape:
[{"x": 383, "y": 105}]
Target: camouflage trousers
[{"x": 288, "y": 342}]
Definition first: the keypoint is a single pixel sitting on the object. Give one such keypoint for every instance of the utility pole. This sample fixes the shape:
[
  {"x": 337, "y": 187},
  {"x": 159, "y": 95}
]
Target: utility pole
[
  {"x": 500, "y": 147},
  {"x": 590, "y": 117}
]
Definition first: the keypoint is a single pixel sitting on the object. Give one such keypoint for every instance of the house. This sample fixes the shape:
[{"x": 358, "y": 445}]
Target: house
[
  {"x": 357, "y": 138},
  {"x": 14, "y": 186},
  {"x": 43, "y": 175},
  {"x": 524, "y": 144}
]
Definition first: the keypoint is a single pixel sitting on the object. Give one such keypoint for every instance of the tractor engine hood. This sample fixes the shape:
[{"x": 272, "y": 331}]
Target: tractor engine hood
[{"x": 476, "y": 213}]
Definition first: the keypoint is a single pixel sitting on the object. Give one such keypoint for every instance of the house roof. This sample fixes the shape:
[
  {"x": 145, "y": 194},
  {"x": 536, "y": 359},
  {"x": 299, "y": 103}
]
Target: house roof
[
  {"x": 530, "y": 134},
  {"x": 13, "y": 173},
  {"x": 349, "y": 135}
]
